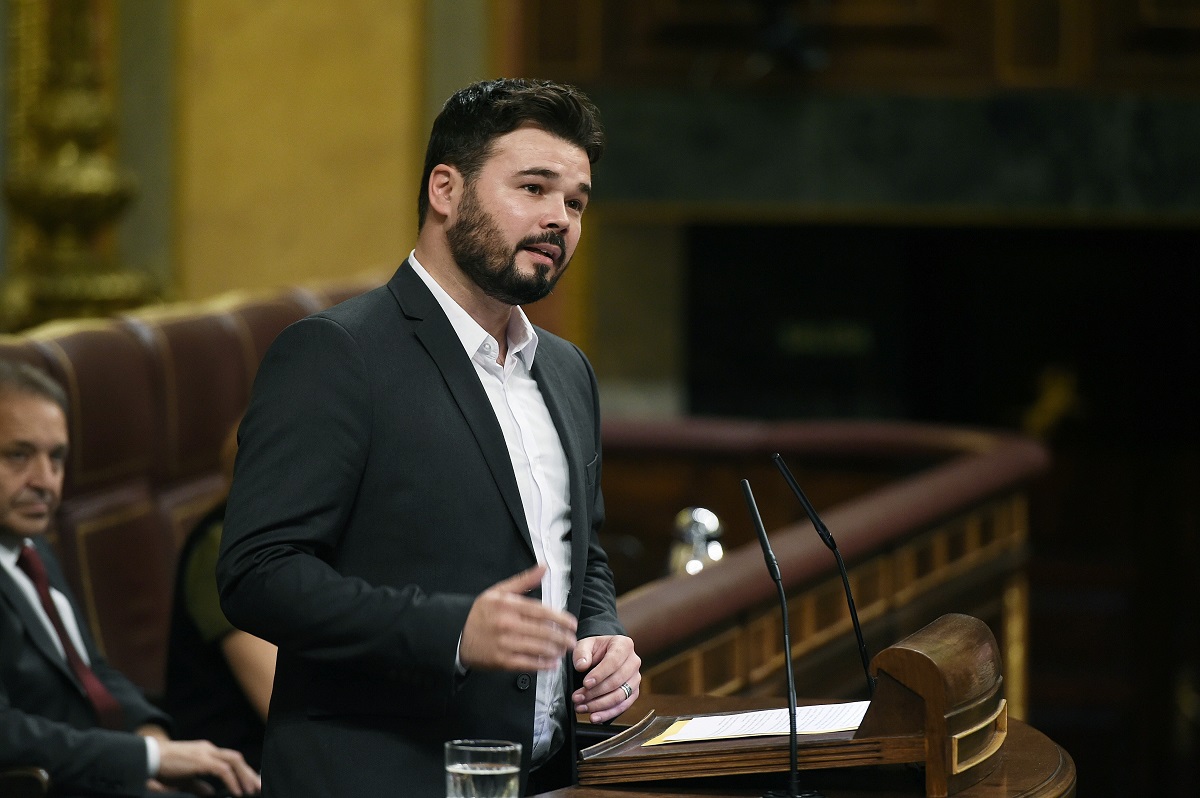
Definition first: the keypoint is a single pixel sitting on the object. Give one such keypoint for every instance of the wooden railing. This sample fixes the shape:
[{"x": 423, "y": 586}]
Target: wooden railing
[{"x": 941, "y": 526}]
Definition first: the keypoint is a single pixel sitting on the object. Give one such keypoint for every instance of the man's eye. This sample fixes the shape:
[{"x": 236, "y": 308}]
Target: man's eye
[
  {"x": 533, "y": 188},
  {"x": 576, "y": 205}
]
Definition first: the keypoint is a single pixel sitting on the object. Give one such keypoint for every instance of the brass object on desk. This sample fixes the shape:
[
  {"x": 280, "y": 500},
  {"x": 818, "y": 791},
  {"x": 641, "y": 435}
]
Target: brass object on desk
[{"x": 64, "y": 183}]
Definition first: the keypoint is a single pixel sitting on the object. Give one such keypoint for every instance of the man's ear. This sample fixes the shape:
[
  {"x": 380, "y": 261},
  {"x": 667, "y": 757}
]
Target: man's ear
[{"x": 445, "y": 184}]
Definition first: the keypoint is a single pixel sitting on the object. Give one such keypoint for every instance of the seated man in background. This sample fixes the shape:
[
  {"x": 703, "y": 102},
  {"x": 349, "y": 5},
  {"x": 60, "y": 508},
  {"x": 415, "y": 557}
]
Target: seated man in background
[
  {"x": 218, "y": 677},
  {"x": 62, "y": 707}
]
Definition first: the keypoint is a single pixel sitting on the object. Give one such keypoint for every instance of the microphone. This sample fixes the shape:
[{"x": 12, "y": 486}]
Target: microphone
[
  {"x": 827, "y": 538},
  {"x": 793, "y": 790}
]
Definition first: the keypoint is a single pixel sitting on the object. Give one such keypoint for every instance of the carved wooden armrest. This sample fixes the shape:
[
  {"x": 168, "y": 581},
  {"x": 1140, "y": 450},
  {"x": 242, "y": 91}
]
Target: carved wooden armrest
[{"x": 24, "y": 782}]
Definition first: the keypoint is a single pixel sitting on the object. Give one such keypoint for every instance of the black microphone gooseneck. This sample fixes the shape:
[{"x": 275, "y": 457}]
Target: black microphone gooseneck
[
  {"x": 793, "y": 790},
  {"x": 827, "y": 538}
]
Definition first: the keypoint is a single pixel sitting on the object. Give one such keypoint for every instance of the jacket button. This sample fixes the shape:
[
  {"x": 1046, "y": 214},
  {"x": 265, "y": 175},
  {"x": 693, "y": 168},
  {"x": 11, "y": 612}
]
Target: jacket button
[{"x": 523, "y": 681}]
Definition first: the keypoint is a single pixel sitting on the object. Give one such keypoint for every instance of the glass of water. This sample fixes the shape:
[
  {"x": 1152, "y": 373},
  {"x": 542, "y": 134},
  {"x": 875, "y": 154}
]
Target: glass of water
[{"x": 483, "y": 769}]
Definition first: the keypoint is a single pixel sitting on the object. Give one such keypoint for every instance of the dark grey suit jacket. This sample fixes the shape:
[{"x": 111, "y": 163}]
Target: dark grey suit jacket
[
  {"x": 45, "y": 717},
  {"x": 373, "y": 500}
]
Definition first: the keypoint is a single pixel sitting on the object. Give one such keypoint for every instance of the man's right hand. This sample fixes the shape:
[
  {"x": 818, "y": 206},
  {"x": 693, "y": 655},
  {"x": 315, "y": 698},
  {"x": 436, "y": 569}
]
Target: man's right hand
[
  {"x": 508, "y": 630},
  {"x": 181, "y": 761}
]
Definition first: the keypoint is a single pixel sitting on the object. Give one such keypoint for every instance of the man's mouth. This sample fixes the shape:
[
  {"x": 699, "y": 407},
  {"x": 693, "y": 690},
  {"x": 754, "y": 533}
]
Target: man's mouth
[
  {"x": 32, "y": 507},
  {"x": 549, "y": 252}
]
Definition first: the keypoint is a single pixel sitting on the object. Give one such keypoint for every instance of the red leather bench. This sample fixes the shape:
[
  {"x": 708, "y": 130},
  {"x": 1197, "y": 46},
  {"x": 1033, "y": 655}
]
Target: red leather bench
[{"x": 153, "y": 394}]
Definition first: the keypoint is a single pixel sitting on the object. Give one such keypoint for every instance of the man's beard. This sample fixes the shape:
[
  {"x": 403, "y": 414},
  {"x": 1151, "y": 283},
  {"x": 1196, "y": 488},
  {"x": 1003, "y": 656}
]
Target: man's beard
[{"x": 478, "y": 247}]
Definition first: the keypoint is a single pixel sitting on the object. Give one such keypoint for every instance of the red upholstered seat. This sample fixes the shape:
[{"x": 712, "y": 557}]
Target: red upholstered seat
[{"x": 153, "y": 395}]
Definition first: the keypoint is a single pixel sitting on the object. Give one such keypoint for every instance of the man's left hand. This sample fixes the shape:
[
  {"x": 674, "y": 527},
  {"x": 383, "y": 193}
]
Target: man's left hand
[{"x": 613, "y": 677}]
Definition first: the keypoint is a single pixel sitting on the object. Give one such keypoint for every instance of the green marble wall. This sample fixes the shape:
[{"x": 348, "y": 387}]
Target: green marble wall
[{"x": 1056, "y": 152}]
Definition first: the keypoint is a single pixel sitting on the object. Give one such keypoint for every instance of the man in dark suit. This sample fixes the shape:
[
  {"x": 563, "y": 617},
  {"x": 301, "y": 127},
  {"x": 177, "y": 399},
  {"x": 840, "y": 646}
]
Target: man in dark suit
[
  {"x": 416, "y": 501},
  {"x": 62, "y": 707}
]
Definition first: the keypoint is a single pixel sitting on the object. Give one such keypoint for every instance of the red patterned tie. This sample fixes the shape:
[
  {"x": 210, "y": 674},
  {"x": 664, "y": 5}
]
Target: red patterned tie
[{"x": 108, "y": 710}]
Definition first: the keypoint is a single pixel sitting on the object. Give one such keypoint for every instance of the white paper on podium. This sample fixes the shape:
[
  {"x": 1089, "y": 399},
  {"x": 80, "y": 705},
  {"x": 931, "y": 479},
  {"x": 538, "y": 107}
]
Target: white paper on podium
[{"x": 817, "y": 719}]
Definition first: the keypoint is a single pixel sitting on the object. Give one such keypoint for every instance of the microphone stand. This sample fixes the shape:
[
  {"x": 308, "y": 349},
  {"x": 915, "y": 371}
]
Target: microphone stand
[
  {"x": 793, "y": 790},
  {"x": 827, "y": 538}
]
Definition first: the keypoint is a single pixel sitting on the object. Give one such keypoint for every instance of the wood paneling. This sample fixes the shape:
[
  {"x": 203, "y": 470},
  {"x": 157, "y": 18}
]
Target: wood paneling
[
  {"x": 912, "y": 45},
  {"x": 946, "y": 536},
  {"x": 942, "y": 566},
  {"x": 1147, "y": 44}
]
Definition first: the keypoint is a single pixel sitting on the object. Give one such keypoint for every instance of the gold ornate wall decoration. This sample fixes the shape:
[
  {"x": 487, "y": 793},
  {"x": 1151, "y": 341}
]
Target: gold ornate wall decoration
[{"x": 64, "y": 188}]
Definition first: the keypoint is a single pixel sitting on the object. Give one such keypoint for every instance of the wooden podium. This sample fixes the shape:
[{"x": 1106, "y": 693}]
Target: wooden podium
[{"x": 938, "y": 710}]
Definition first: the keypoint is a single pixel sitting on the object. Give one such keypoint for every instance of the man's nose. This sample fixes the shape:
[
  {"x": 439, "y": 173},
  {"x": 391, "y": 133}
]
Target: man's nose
[
  {"x": 556, "y": 217},
  {"x": 45, "y": 473}
]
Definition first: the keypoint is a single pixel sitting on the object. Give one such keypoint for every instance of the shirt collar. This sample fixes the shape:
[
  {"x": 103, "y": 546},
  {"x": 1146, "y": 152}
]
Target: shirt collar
[
  {"x": 522, "y": 338},
  {"x": 10, "y": 549}
]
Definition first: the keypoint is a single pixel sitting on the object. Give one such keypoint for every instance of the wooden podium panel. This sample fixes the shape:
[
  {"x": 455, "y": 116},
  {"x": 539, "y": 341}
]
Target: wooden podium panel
[
  {"x": 1033, "y": 765},
  {"x": 937, "y": 726}
]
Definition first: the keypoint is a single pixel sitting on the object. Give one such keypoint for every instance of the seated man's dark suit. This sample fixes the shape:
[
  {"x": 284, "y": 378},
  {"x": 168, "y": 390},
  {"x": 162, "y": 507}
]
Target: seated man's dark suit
[
  {"x": 373, "y": 500},
  {"x": 45, "y": 717}
]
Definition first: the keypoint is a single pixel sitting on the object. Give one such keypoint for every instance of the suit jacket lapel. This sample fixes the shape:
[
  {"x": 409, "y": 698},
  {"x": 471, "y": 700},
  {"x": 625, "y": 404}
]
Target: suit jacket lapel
[
  {"x": 436, "y": 334},
  {"x": 34, "y": 626},
  {"x": 550, "y": 382}
]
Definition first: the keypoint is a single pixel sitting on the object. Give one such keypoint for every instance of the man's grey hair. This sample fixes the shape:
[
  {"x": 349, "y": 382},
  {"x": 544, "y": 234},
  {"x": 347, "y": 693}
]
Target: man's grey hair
[{"x": 17, "y": 377}]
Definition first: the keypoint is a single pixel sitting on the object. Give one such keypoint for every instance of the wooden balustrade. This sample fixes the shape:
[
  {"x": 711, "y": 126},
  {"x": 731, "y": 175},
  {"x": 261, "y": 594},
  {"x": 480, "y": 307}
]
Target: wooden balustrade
[{"x": 942, "y": 525}]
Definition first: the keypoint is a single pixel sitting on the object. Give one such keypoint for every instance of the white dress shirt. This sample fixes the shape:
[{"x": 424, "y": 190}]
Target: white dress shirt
[
  {"x": 540, "y": 466},
  {"x": 10, "y": 550}
]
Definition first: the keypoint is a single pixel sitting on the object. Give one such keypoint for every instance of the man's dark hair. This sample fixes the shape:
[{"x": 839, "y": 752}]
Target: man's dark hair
[
  {"x": 17, "y": 377},
  {"x": 474, "y": 117}
]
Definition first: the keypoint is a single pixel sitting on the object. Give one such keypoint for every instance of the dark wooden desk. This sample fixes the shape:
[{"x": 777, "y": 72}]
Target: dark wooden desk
[{"x": 1033, "y": 766}]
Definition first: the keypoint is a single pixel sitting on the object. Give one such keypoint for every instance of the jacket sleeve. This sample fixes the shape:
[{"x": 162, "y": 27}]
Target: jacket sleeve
[
  {"x": 37, "y": 727},
  {"x": 303, "y": 446},
  {"x": 95, "y": 760},
  {"x": 598, "y": 610}
]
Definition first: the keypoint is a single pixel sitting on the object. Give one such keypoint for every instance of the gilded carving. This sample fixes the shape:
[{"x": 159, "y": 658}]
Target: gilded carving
[{"x": 64, "y": 187}]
